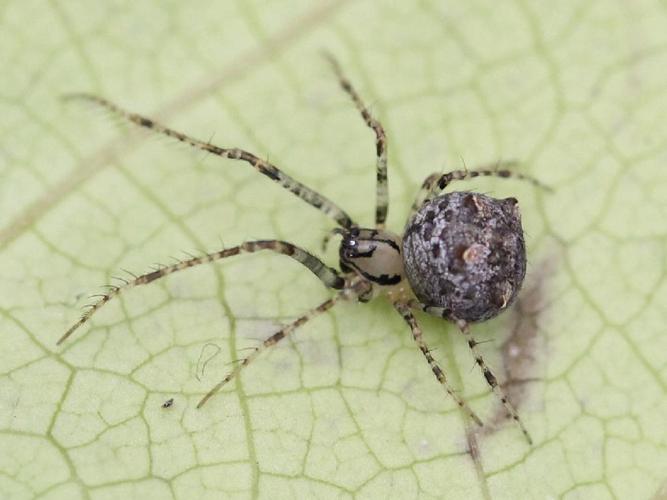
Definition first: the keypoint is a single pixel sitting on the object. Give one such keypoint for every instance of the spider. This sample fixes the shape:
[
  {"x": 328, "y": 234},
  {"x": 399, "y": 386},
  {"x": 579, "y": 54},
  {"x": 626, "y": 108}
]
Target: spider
[{"x": 461, "y": 256}]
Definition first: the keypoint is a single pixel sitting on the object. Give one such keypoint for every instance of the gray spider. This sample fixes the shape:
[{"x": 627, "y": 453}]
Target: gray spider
[{"x": 461, "y": 256}]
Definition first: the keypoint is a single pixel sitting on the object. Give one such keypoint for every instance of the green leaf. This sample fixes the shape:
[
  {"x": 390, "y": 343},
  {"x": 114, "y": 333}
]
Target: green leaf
[{"x": 347, "y": 406}]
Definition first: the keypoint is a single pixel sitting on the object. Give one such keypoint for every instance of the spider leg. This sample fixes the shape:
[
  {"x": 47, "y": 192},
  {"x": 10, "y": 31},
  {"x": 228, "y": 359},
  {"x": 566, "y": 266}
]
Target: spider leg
[
  {"x": 406, "y": 313},
  {"x": 310, "y": 196},
  {"x": 271, "y": 341},
  {"x": 491, "y": 378},
  {"x": 498, "y": 170},
  {"x": 356, "y": 289},
  {"x": 423, "y": 193},
  {"x": 486, "y": 371},
  {"x": 382, "y": 190},
  {"x": 330, "y": 277}
]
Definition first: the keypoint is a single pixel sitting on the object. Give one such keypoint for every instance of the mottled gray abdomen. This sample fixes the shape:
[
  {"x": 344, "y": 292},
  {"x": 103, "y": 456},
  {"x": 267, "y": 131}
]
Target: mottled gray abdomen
[{"x": 465, "y": 252}]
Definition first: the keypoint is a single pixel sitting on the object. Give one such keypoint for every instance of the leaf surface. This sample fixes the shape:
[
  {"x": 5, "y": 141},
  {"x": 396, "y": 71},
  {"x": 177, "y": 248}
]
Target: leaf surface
[{"x": 346, "y": 407}]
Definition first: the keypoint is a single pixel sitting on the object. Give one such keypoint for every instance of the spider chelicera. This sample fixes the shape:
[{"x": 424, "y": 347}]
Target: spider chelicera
[{"x": 461, "y": 255}]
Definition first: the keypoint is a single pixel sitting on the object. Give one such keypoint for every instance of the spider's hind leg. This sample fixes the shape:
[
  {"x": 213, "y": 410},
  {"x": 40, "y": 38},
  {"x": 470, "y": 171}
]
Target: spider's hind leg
[
  {"x": 491, "y": 378},
  {"x": 408, "y": 316},
  {"x": 269, "y": 342},
  {"x": 479, "y": 360}
]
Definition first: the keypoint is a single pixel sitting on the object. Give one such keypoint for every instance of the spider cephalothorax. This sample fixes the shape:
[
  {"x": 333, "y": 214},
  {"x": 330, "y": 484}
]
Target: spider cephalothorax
[
  {"x": 373, "y": 254},
  {"x": 462, "y": 256}
]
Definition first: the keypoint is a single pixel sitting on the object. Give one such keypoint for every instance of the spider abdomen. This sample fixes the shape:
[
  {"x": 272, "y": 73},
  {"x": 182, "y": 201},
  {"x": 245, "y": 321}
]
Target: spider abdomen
[{"x": 465, "y": 252}]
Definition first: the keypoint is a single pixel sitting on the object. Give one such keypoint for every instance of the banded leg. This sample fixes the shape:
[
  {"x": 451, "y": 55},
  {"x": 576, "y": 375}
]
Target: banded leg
[
  {"x": 491, "y": 378},
  {"x": 382, "y": 190},
  {"x": 423, "y": 193},
  {"x": 310, "y": 196},
  {"x": 271, "y": 341},
  {"x": 330, "y": 277},
  {"x": 404, "y": 310},
  {"x": 486, "y": 371},
  {"x": 458, "y": 175}
]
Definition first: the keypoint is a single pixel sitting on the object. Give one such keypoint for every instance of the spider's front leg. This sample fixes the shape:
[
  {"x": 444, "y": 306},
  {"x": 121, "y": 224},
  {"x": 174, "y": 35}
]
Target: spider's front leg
[
  {"x": 491, "y": 378},
  {"x": 310, "y": 196},
  {"x": 382, "y": 190}
]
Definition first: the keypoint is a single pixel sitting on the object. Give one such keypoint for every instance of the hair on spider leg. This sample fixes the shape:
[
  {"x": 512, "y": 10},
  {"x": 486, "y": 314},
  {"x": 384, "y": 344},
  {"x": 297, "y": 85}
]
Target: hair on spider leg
[
  {"x": 97, "y": 295},
  {"x": 475, "y": 342},
  {"x": 209, "y": 142},
  {"x": 522, "y": 381},
  {"x": 234, "y": 361},
  {"x": 249, "y": 348},
  {"x": 463, "y": 162},
  {"x": 461, "y": 255},
  {"x": 191, "y": 255},
  {"x": 134, "y": 276}
]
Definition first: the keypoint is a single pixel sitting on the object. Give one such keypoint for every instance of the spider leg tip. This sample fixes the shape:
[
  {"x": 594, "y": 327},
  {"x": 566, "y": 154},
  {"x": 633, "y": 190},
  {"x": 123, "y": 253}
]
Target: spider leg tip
[{"x": 203, "y": 401}]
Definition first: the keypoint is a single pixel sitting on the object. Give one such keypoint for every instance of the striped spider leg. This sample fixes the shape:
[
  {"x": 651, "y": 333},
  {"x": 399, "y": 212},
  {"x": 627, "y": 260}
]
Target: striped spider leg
[
  {"x": 382, "y": 189},
  {"x": 403, "y": 309},
  {"x": 500, "y": 170},
  {"x": 330, "y": 277},
  {"x": 355, "y": 289},
  {"x": 490, "y": 378},
  {"x": 437, "y": 182}
]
